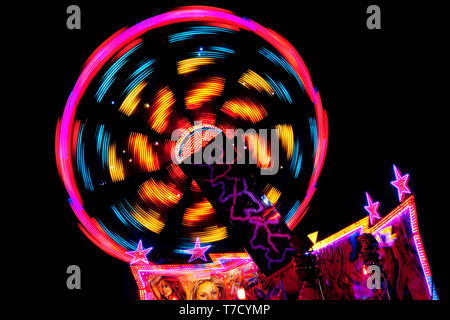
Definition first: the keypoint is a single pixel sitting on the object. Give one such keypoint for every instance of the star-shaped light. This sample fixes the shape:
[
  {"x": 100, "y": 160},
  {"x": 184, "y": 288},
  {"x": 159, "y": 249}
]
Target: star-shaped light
[
  {"x": 197, "y": 252},
  {"x": 372, "y": 208},
  {"x": 140, "y": 254},
  {"x": 401, "y": 183}
]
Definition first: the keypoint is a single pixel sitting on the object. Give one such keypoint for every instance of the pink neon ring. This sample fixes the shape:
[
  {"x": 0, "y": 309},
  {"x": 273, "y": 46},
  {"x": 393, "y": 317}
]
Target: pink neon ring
[{"x": 118, "y": 41}]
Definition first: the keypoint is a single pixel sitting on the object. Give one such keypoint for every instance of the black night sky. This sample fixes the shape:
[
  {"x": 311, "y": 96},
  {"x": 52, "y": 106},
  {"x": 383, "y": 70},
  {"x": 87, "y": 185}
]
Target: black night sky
[{"x": 377, "y": 86}]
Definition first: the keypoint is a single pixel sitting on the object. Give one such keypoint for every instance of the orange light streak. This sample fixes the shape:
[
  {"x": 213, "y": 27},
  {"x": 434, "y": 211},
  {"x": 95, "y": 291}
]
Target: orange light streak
[
  {"x": 272, "y": 193},
  {"x": 258, "y": 150},
  {"x": 193, "y": 64},
  {"x": 149, "y": 218},
  {"x": 204, "y": 92},
  {"x": 286, "y": 136},
  {"x": 211, "y": 234},
  {"x": 142, "y": 151},
  {"x": 116, "y": 169},
  {"x": 253, "y": 80},
  {"x": 159, "y": 193},
  {"x": 162, "y": 110},
  {"x": 132, "y": 100},
  {"x": 245, "y": 109},
  {"x": 196, "y": 214}
]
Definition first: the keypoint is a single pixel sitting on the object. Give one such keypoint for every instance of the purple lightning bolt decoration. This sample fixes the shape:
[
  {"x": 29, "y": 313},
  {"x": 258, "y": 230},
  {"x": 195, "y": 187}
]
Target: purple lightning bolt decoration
[{"x": 259, "y": 225}]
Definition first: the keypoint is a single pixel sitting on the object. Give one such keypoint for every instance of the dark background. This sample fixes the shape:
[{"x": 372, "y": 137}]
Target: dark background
[{"x": 379, "y": 88}]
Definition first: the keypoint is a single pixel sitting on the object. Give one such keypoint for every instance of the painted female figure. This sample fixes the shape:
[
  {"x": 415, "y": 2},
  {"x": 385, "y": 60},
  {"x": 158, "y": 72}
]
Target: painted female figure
[
  {"x": 208, "y": 289},
  {"x": 167, "y": 288}
]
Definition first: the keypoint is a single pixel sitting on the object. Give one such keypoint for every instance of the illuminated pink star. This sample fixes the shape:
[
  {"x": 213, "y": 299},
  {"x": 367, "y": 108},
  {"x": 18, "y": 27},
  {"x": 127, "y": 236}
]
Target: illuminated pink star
[
  {"x": 140, "y": 254},
  {"x": 198, "y": 251},
  {"x": 372, "y": 208},
  {"x": 401, "y": 183}
]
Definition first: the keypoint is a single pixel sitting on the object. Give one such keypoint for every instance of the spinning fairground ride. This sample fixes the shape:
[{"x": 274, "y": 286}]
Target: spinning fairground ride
[{"x": 190, "y": 148}]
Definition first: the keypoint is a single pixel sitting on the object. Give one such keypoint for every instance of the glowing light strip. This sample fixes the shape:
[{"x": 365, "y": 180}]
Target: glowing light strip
[
  {"x": 209, "y": 54},
  {"x": 259, "y": 150},
  {"x": 279, "y": 89},
  {"x": 394, "y": 214},
  {"x": 139, "y": 75},
  {"x": 313, "y": 130},
  {"x": 143, "y": 152},
  {"x": 122, "y": 211},
  {"x": 291, "y": 212},
  {"x": 131, "y": 245},
  {"x": 195, "y": 31},
  {"x": 115, "y": 43},
  {"x": 254, "y": 80},
  {"x": 159, "y": 193},
  {"x": 103, "y": 137},
  {"x": 116, "y": 169},
  {"x": 211, "y": 234},
  {"x": 99, "y": 134},
  {"x": 286, "y": 136},
  {"x": 82, "y": 166},
  {"x": 148, "y": 218},
  {"x": 159, "y": 118},
  {"x": 204, "y": 92},
  {"x": 193, "y": 64},
  {"x": 272, "y": 193},
  {"x": 359, "y": 226},
  {"x": 110, "y": 75},
  {"x": 280, "y": 62},
  {"x": 296, "y": 163},
  {"x": 244, "y": 108},
  {"x": 221, "y": 49},
  {"x": 198, "y": 213},
  {"x": 132, "y": 100}
]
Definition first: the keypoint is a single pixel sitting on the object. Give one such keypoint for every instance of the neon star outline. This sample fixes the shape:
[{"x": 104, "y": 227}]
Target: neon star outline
[
  {"x": 140, "y": 254},
  {"x": 372, "y": 209},
  {"x": 401, "y": 183},
  {"x": 198, "y": 252}
]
